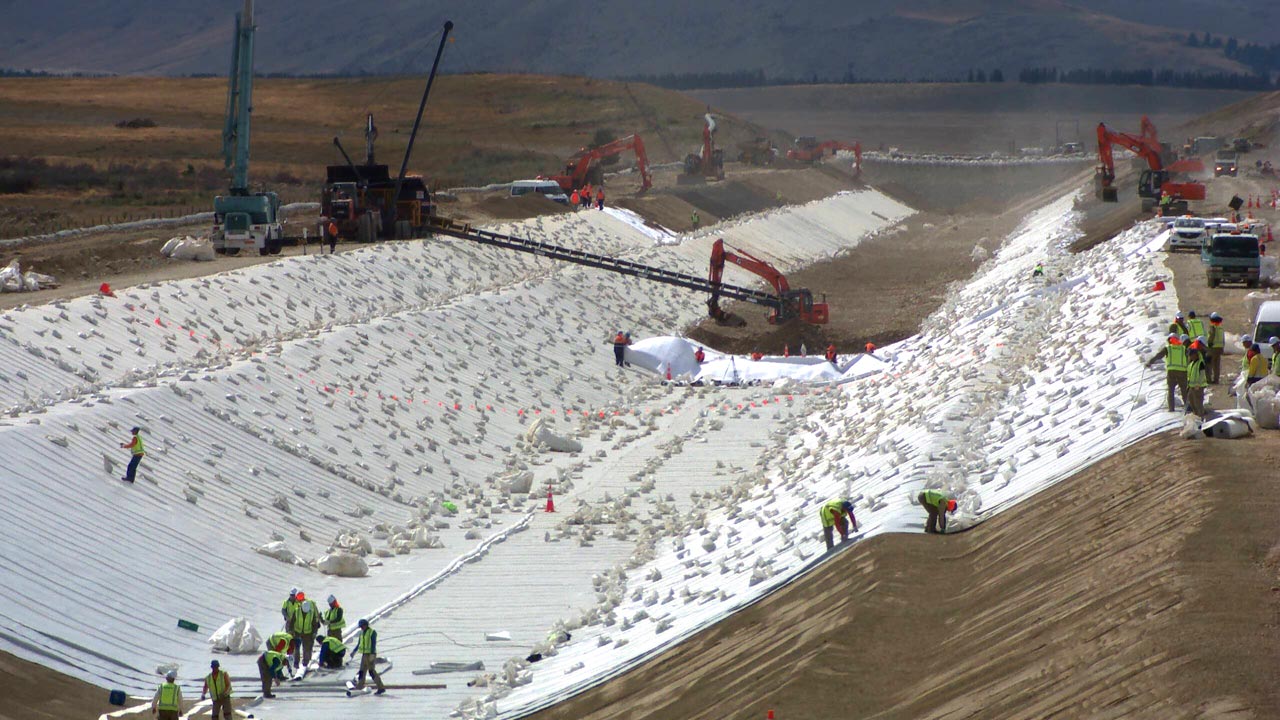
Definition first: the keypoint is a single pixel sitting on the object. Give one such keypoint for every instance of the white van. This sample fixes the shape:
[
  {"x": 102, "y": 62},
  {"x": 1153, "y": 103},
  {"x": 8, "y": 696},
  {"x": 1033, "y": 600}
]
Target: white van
[
  {"x": 1267, "y": 325},
  {"x": 550, "y": 189}
]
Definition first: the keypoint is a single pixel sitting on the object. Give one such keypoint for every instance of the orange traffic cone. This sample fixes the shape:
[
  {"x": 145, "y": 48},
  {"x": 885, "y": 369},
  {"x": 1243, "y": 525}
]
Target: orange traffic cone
[
  {"x": 1158, "y": 287},
  {"x": 105, "y": 289},
  {"x": 551, "y": 504}
]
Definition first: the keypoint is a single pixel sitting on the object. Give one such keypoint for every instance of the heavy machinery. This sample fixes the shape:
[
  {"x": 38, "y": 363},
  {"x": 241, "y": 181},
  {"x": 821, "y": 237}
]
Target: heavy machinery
[
  {"x": 791, "y": 303},
  {"x": 243, "y": 220},
  {"x": 757, "y": 151},
  {"x": 1154, "y": 181},
  {"x": 708, "y": 163},
  {"x": 364, "y": 201},
  {"x": 584, "y": 167},
  {"x": 785, "y": 304},
  {"x": 809, "y": 150}
]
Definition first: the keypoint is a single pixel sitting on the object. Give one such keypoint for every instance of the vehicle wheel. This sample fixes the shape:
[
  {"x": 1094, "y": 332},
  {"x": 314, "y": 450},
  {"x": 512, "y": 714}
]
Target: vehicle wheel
[
  {"x": 230, "y": 252},
  {"x": 263, "y": 251},
  {"x": 404, "y": 230}
]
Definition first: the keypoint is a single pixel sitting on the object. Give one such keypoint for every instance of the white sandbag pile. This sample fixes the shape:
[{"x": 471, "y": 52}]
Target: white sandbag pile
[
  {"x": 238, "y": 636},
  {"x": 188, "y": 248},
  {"x": 1263, "y": 401},
  {"x": 540, "y": 435},
  {"x": 343, "y": 565},
  {"x": 279, "y": 551},
  {"x": 12, "y": 279}
]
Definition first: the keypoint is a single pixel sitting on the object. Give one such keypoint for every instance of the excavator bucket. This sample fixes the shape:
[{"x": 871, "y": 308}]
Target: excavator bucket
[{"x": 1103, "y": 191}]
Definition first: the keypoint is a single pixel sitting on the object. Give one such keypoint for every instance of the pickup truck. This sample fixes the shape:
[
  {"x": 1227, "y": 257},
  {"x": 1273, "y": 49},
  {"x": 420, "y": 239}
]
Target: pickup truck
[{"x": 1231, "y": 258}]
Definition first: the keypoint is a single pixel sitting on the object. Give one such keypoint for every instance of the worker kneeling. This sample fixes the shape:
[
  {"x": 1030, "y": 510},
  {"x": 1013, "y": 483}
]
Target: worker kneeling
[
  {"x": 833, "y": 514},
  {"x": 937, "y": 503},
  {"x": 331, "y": 652}
]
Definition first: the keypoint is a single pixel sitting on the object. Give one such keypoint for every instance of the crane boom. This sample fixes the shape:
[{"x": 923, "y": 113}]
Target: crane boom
[
  {"x": 244, "y": 220},
  {"x": 784, "y": 303}
]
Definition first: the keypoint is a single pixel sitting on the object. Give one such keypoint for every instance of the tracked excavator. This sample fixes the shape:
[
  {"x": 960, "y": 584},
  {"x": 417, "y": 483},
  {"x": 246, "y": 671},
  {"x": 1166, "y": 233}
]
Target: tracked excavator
[
  {"x": 784, "y": 303},
  {"x": 1154, "y": 181},
  {"x": 584, "y": 167},
  {"x": 708, "y": 163},
  {"x": 809, "y": 150}
]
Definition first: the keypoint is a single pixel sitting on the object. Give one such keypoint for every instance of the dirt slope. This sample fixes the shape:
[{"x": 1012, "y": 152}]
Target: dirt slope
[{"x": 1142, "y": 587}]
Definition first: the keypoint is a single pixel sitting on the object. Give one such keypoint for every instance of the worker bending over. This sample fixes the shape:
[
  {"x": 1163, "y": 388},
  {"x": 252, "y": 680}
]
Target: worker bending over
[
  {"x": 832, "y": 514},
  {"x": 937, "y": 503},
  {"x": 271, "y": 670},
  {"x": 331, "y": 652}
]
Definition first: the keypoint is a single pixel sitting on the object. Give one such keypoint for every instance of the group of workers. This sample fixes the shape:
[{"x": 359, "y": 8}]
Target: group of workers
[
  {"x": 1192, "y": 357},
  {"x": 837, "y": 514},
  {"x": 286, "y": 650},
  {"x": 582, "y": 197}
]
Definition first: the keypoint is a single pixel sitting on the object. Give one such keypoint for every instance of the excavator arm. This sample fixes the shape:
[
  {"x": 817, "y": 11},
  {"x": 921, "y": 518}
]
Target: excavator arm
[
  {"x": 579, "y": 166},
  {"x": 792, "y": 303}
]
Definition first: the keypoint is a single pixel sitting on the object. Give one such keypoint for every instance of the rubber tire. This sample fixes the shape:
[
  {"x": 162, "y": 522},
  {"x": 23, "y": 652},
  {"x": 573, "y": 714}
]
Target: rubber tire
[{"x": 230, "y": 252}]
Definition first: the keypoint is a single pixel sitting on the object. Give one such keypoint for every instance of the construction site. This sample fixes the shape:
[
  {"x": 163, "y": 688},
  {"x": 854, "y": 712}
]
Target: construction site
[{"x": 556, "y": 404}]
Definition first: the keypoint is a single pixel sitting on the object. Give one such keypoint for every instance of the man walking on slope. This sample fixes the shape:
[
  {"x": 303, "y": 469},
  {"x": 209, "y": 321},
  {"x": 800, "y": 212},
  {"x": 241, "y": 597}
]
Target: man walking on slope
[
  {"x": 367, "y": 649},
  {"x": 167, "y": 703},
  {"x": 217, "y": 685},
  {"x": 620, "y": 343},
  {"x": 1175, "y": 365},
  {"x": 139, "y": 451},
  {"x": 832, "y": 514},
  {"x": 937, "y": 503}
]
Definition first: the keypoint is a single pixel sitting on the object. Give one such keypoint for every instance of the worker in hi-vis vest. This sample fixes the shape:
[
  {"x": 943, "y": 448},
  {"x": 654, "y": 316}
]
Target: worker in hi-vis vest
[
  {"x": 138, "y": 451},
  {"x": 217, "y": 685},
  {"x": 1217, "y": 343},
  {"x": 167, "y": 703},
  {"x": 1174, "y": 353},
  {"x": 334, "y": 618},
  {"x": 937, "y": 503},
  {"x": 367, "y": 649},
  {"x": 833, "y": 514}
]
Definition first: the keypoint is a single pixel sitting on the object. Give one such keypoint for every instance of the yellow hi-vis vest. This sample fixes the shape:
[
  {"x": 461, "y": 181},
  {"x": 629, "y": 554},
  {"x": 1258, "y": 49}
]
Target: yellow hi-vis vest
[
  {"x": 1175, "y": 357},
  {"x": 219, "y": 684},
  {"x": 1196, "y": 377},
  {"x": 368, "y": 641},
  {"x": 168, "y": 697}
]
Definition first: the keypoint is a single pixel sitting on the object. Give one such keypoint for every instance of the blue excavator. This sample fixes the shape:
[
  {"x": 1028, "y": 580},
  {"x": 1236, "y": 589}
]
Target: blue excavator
[{"x": 243, "y": 220}]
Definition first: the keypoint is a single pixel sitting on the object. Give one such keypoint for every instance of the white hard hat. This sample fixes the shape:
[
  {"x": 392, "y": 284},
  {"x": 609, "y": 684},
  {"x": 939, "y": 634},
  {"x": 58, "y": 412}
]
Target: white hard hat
[{"x": 171, "y": 675}]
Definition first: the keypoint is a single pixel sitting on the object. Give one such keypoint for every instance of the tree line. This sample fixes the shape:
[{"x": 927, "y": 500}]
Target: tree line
[{"x": 1164, "y": 77}]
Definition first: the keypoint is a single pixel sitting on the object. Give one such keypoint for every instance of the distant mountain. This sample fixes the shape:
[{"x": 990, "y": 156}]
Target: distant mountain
[{"x": 872, "y": 39}]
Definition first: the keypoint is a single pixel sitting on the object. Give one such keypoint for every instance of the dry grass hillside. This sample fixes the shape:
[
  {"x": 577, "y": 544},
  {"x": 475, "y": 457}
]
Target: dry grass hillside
[{"x": 477, "y": 129}]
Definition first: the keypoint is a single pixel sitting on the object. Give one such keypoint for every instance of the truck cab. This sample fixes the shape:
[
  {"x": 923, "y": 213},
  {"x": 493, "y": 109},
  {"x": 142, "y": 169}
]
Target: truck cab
[
  {"x": 1225, "y": 163},
  {"x": 1232, "y": 258}
]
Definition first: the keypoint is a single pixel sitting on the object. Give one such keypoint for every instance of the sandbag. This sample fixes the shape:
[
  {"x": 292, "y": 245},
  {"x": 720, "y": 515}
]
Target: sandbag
[
  {"x": 279, "y": 551},
  {"x": 167, "y": 249},
  {"x": 540, "y": 434},
  {"x": 343, "y": 565},
  {"x": 11, "y": 278},
  {"x": 236, "y": 636}
]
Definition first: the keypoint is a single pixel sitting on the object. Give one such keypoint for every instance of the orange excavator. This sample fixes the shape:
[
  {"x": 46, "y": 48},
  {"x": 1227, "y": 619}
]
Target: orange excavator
[
  {"x": 809, "y": 150},
  {"x": 790, "y": 303},
  {"x": 584, "y": 167},
  {"x": 1154, "y": 181}
]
